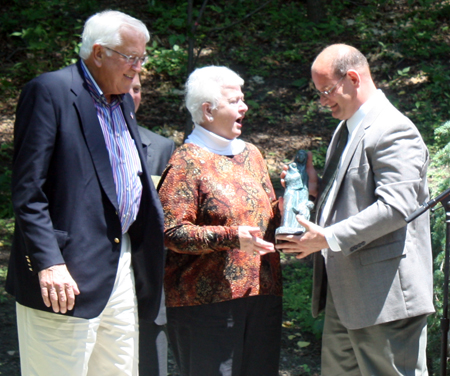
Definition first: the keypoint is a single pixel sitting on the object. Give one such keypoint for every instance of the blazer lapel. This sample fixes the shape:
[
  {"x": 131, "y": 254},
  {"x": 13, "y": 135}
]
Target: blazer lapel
[
  {"x": 130, "y": 118},
  {"x": 353, "y": 146},
  {"x": 145, "y": 139},
  {"x": 148, "y": 149},
  {"x": 94, "y": 136}
]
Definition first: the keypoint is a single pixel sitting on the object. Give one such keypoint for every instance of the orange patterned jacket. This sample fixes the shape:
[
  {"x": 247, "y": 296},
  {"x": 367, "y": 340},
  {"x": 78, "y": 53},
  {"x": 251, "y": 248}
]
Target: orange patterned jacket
[{"x": 206, "y": 197}]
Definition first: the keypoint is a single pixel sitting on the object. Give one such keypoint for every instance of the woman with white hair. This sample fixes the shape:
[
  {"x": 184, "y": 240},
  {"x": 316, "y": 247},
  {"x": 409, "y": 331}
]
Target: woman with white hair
[{"x": 223, "y": 278}]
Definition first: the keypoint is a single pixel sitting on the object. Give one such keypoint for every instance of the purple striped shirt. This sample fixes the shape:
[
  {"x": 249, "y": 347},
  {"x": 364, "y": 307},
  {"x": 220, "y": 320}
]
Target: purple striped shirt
[{"x": 123, "y": 154}]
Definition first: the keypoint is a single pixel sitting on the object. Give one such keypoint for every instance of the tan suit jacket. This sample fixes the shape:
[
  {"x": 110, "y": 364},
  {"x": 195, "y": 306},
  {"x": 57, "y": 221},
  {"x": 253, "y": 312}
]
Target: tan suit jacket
[{"x": 384, "y": 271}]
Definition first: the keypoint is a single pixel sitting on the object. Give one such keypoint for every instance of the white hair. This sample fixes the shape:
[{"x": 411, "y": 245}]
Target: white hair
[
  {"x": 104, "y": 28},
  {"x": 205, "y": 85}
]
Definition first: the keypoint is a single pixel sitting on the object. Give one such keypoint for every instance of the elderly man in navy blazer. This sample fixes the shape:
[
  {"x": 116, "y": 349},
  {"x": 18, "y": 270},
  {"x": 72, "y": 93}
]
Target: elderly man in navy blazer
[{"x": 88, "y": 250}]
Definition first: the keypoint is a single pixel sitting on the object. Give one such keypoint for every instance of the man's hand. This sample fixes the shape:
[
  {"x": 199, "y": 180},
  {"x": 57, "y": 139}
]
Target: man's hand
[
  {"x": 313, "y": 179},
  {"x": 58, "y": 288},
  {"x": 251, "y": 242},
  {"x": 313, "y": 240}
]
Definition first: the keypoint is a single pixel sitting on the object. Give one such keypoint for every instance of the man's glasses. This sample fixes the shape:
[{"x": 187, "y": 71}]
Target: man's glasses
[
  {"x": 131, "y": 60},
  {"x": 327, "y": 93}
]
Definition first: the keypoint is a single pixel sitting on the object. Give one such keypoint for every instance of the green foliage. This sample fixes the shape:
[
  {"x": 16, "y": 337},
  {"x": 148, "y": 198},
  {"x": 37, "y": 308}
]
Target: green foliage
[
  {"x": 6, "y": 235},
  {"x": 442, "y": 137},
  {"x": 169, "y": 19},
  {"x": 297, "y": 289},
  {"x": 6, "y": 210},
  {"x": 319, "y": 156},
  {"x": 440, "y": 178},
  {"x": 46, "y": 30},
  {"x": 3, "y": 293},
  {"x": 309, "y": 109},
  {"x": 440, "y": 182},
  {"x": 171, "y": 62}
]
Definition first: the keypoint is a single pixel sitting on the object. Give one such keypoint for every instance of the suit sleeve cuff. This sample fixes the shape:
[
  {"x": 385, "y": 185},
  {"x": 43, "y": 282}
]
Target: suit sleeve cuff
[{"x": 331, "y": 240}]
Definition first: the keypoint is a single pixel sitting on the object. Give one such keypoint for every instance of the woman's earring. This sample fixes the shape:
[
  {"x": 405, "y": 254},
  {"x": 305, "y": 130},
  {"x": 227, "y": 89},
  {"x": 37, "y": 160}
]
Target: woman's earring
[{"x": 210, "y": 118}]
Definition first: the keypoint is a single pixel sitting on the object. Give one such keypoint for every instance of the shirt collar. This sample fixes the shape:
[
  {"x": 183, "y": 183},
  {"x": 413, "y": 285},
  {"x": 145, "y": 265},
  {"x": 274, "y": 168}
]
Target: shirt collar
[
  {"x": 357, "y": 118},
  {"x": 354, "y": 122},
  {"x": 95, "y": 90},
  {"x": 215, "y": 143}
]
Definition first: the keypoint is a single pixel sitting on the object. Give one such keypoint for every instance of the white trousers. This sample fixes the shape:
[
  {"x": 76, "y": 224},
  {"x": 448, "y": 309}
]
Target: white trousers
[{"x": 54, "y": 345}]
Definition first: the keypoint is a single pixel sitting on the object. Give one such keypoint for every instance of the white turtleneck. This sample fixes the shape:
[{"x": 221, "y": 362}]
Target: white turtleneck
[{"x": 214, "y": 143}]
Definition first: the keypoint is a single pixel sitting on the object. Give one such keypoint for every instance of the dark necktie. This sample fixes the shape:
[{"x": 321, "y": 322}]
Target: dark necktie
[{"x": 331, "y": 171}]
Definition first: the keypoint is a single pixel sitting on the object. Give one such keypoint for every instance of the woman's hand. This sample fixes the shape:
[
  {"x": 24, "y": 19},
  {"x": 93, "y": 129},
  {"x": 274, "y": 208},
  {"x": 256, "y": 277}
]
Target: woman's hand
[{"x": 250, "y": 241}]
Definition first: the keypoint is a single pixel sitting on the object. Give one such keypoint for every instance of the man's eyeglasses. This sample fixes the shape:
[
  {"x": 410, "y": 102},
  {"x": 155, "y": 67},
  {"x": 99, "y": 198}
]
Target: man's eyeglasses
[
  {"x": 327, "y": 93},
  {"x": 132, "y": 60}
]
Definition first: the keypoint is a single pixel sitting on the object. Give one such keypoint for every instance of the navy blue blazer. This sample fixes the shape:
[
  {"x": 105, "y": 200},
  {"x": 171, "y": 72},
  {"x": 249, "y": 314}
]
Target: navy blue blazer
[{"x": 65, "y": 200}]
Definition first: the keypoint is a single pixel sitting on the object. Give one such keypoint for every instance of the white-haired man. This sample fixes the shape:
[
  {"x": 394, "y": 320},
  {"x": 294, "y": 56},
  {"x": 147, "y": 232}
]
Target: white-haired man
[{"x": 88, "y": 245}]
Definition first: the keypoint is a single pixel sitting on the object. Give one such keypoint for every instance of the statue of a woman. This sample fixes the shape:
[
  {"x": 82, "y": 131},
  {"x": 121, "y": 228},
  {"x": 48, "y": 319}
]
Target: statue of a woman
[{"x": 296, "y": 196}]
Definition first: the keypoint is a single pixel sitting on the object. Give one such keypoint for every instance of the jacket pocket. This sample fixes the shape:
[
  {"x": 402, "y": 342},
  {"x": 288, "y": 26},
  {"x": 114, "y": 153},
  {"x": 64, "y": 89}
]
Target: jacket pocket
[{"x": 381, "y": 252}]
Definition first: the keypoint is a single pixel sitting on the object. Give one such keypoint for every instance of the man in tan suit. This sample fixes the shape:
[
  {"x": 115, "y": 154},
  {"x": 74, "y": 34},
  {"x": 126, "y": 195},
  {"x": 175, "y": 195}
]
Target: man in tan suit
[{"x": 372, "y": 270}]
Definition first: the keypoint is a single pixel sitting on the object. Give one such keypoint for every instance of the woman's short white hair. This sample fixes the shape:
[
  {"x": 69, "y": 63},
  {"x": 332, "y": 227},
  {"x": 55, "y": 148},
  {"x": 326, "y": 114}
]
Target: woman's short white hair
[
  {"x": 205, "y": 85},
  {"x": 104, "y": 29}
]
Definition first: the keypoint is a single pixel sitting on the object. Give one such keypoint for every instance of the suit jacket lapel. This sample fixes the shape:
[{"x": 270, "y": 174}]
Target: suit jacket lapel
[
  {"x": 148, "y": 150},
  {"x": 93, "y": 135},
  {"x": 353, "y": 146},
  {"x": 130, "y": 118},
  {"x": 145, "y": 139}
]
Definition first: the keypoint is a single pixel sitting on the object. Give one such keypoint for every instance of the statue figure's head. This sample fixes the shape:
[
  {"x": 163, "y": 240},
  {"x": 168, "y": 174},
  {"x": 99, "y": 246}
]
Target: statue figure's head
[{"x": 301, "y": 157}]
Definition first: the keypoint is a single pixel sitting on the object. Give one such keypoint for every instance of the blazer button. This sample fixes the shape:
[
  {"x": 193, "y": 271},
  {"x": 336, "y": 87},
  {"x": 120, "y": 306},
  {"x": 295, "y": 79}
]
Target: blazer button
[{"x": 116, "y": 240}]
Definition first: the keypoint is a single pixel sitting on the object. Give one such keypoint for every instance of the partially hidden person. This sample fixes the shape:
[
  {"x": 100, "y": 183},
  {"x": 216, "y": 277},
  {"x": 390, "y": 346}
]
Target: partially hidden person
[{"x": 152, "y": 333}]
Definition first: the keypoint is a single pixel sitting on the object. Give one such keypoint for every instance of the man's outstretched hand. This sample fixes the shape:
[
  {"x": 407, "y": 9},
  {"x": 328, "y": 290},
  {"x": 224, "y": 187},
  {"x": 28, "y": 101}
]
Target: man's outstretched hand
[{"x": 312, "y": 240}]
